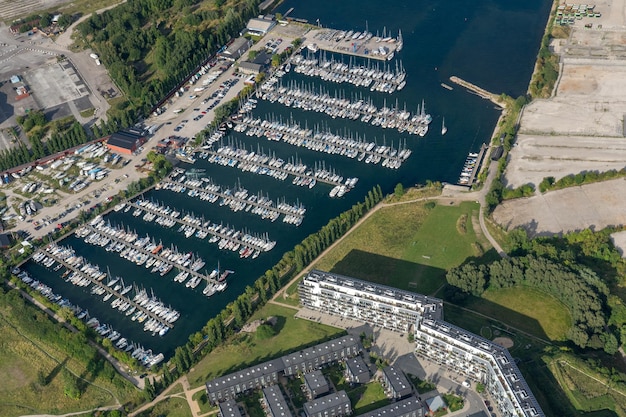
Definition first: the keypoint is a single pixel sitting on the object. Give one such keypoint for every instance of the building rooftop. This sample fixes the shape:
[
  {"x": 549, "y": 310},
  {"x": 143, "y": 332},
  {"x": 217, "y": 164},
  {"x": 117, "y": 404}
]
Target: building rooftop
[
  {"x": 316, "y": 382},
  {"x": 275, "y": 401},
  {"x": 126, "y": 139},
  {"x": 357, "y": 366},
  {"x": 260, "y": 25},
  {"x": 230, "y": 409},
  {"x": 435, "y": 403},
  {"x": 398, "y": 408},
  {"x": 323, "y": 349},
  {"x": 237, "y": 48},
  {"x": 513, "y": 378},
  {"x": 432, "y": 307},
  {"x": 326, "y": 402},
  {"x": 398, "y": 381},
  {"x": 245, "y": 375}
]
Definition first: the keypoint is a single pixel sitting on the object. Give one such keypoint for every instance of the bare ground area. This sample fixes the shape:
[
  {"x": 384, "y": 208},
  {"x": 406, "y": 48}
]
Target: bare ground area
[
  {"x": 592, "y": 206},
  {"x": 581, "y": 128}
]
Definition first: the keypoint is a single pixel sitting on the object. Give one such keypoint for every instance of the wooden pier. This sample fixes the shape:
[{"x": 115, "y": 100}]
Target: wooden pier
[{"x": 479, "y": 162}]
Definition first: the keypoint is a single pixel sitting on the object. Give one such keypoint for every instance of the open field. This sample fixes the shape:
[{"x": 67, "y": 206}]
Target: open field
[
  {"x": 172, "y": 407},
  {"x": 245, "y": 350},
  {"x": 544, "y": 315},
  {"x": 408, "y": 246},
  {"x": 593, "y": 206},
  {"x": 579, "y": 129},
  {"x": 586, "y": 391},
  {"x": 36, "y": 377}
]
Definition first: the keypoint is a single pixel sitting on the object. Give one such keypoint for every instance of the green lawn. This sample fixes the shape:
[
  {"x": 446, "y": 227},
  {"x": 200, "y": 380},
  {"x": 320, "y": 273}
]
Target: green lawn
[
  {"x": 408, "y": 246},
  {"x": 367, "y": 398},
  {"x": 203, "y": 402},
  {"x": 527, "y": 309},
  {"x": 245, "y": 350},
  {"x": 172, "y": 407}
]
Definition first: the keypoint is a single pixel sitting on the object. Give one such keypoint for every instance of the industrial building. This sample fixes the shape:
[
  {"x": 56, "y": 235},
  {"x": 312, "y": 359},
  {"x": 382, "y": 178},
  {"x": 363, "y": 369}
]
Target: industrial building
[
  {"x": 259, "y": 26},
  {"x": 235, "y": 50},
  {"x": 452, "y": 347},
  {"x": 125, "y": 141},
  {"x": 332, "y": 405}
]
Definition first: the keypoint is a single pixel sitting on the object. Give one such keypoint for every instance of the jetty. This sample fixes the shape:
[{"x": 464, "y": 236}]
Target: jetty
[
  {"x": 323, "y": 141},
  {"x": 237, "y": 198},
  {"x": 262, "y": 164},
  {"x": 480, "y": 92},
  {"x": 471, "y": 167},
  {"x": 62, "y": 255}
]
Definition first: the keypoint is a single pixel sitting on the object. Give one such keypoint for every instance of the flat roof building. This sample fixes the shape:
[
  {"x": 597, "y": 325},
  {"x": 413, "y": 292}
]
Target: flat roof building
[
  {"x": 230, "y": 409},
  {"x": 378, "y": 305},
  {"x": 250, "y": 68},
  {"x": 125, "y": 141},
  {"x": 274, "y": 402},
  {"x": 260, "y": 26},
  {"x": 315, "y": 384},
  {"x": 357, "y": 370},
  {"x": 396, "y": 383},
  {"x": 409, "y": 407},
  {"x": 332, "y": 405}
]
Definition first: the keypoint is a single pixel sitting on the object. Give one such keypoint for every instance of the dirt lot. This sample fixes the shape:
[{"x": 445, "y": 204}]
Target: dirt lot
[{"x": 581, "y": 128}]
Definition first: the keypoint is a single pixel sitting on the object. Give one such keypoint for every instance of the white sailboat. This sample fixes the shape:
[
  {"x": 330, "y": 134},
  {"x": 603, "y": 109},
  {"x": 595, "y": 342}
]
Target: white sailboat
[{"x": 444, "y": 129}]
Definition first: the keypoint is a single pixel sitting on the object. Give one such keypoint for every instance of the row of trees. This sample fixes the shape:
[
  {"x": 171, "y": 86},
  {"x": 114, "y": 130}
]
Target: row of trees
[
  {"x": 238, "y": 311},
  {"x": 174, "y": 35},
  {"x": 571, "y": 180}
]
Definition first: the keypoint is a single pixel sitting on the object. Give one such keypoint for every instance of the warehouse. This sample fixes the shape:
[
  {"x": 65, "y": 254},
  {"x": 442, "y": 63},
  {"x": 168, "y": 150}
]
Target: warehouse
[{"x": 125, "y": 141}]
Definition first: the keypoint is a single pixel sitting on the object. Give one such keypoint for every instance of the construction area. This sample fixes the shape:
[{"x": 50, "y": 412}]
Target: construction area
[{"x": 580, "y": 128}]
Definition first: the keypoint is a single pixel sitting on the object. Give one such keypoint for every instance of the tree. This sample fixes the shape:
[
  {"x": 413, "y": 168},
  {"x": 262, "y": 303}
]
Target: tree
[
  {"x": 275, "y": 60},
  {"x": 399, "y": 190},
  {"x": 265, "y": 331},
  {"x": 64, "y": 21},
  {"x": 45, "y": 20}
]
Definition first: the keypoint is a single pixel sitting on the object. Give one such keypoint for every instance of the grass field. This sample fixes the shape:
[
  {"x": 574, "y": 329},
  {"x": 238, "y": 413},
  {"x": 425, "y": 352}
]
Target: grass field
[
  {"x": 245, "y": 350},
  {"x": 367, "y": 398},
  {"x": 527, "y": 309},
  {"x": 172, "y": 407},
  {"x": 408, "y": 246},
  {"x": 35, "y": 378}
]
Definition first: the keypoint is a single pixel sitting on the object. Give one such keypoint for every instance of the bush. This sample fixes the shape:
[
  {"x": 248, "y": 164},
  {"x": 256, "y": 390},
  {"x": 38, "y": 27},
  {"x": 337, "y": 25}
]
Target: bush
[{"x": 265, "y": 331}]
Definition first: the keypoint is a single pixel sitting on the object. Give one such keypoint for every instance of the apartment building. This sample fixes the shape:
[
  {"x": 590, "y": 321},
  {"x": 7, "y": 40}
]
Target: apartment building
[
  {"x": 409, "y": 407},
  {"x": 378, "y": 305},
  {"x": 315, "y": 384},
  {"x": 357, "y": 371},
  {"x": 436, "y": 340},
  {"x": 274, "y": 402},
  {"x": 336, "y": 404},
  {"x": 396, "y": 383}
]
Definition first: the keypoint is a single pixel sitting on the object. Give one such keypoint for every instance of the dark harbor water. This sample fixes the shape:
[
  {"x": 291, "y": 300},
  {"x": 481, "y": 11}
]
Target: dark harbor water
[{"x": 492, "y": 44}]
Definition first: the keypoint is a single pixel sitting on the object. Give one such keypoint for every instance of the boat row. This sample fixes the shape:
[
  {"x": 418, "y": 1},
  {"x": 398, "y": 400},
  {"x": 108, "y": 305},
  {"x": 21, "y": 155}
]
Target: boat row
[
  {"x": 385, "y": 80},
  {"x": 469, "y": 166},
  {"x": 236, "y": 198},
  {"x": 161, "y": 316},
  {"x": 311, "y": 98},
  {"x": 322, "y": 140}
]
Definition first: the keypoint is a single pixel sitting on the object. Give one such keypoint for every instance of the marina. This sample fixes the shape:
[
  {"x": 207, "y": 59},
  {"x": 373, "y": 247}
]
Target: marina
[
  {"x": 369, "y": 75},
  {"x": 324, "y": 141},
  {"x": 237, "y": 198},
  {"x": 471, "y": 167},
  {"x": 262, "y": 164},
  {"x": 319, "y": 99}
]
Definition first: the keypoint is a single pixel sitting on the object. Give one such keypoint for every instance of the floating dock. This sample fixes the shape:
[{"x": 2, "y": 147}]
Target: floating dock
[{"x": 362, "y": 44}]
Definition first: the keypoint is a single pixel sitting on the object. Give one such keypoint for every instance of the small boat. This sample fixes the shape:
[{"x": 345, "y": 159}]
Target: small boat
[{"x": 444, "y": 129}]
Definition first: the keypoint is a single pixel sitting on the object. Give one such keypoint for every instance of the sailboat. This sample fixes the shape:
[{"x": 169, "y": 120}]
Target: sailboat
[{"x": 444, "y": 129}]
